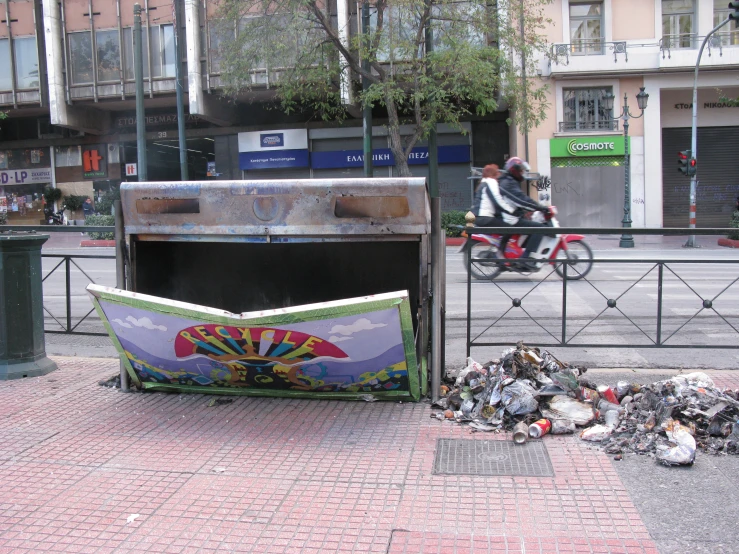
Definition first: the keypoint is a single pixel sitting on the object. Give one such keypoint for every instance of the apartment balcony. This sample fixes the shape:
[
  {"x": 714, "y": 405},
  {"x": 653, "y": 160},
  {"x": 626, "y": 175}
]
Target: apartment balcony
[
  {"x": 598, "y": 126},
  {"x": 95, "y": 91},
  {"x": 669, "y": 53},
  {"x": 20, "y": 97}
]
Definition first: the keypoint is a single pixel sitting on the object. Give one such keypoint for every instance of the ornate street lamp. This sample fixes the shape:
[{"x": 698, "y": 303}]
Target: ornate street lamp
[{"x": 627, "y": 241}]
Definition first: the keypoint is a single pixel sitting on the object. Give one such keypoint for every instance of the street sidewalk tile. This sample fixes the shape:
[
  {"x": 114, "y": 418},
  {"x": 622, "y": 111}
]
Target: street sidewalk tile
[
  {"x": 85, "y": 468},
  {"x": 407, "y": 542}
]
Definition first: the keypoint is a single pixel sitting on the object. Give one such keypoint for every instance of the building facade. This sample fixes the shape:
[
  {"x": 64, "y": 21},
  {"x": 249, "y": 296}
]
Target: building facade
[
  {"x": 67, "y": 85},
  {"x": 616, "y": 47}
]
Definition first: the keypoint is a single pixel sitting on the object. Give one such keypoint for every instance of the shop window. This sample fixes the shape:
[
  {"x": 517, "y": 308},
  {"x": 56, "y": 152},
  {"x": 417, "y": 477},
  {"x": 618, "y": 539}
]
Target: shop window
[
  {"x": 6, "y": 82},
  {"x": 586, "y": 27},
  {"x": 109, "y": 55},
  {"x": 584, "y": 111},
  {"x": 26, "y": 62},
  {"x": 68, "y": 156},
  {"x": 729, "y": 34},
  {"x": 678, "y": 23},
  {"x": 161, "y": 39},
  {"x": 22, "y": 204}
]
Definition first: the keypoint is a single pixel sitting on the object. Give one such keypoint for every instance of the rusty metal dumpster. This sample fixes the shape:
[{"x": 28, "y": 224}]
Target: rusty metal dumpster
[{"x": 292, "y": 287}]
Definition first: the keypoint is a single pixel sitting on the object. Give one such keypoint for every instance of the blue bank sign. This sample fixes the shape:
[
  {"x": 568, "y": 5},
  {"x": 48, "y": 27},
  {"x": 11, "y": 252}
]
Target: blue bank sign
[
  {"x": 273, "y": 149},
  {"x": 383, "y": 157},
  {"x": 272, "y": 140}
]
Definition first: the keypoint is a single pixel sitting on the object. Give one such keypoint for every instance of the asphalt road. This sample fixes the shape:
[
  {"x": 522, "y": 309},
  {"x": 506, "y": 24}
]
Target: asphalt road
[
  {"x": 537, "y": 321},
  {"x": 633, "y": 321}
]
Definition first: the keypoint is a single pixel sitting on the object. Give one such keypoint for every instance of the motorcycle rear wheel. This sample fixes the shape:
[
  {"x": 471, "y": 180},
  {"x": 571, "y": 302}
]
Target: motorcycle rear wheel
[
  {"x": 581, "y": 260},
  {"x": 483, "y": 270}
]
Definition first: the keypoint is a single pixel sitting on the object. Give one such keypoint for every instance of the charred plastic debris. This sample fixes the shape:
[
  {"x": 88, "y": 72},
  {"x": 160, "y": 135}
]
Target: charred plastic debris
[{"x": 531, "y": 393}]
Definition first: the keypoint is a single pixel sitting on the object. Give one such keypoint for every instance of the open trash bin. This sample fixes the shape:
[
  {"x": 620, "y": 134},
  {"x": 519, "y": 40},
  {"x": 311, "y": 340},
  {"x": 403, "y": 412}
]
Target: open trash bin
[{"x": 292, "y": 287}]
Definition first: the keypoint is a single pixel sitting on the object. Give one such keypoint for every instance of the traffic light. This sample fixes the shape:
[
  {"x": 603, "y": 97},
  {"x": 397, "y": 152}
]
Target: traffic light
[
  {"x": 692, "y": 166},
  {"x": 683, "y": 157},
  {"x": 734, "y": 16}
]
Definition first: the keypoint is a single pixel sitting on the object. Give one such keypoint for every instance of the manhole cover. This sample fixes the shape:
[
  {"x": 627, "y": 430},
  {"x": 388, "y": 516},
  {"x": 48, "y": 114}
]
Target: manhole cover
[{"x": 478, "y": 457}]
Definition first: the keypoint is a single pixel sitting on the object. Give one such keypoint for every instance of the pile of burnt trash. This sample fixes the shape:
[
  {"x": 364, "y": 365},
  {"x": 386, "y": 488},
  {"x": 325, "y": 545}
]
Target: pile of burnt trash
[{"x": 531, "y": 393}]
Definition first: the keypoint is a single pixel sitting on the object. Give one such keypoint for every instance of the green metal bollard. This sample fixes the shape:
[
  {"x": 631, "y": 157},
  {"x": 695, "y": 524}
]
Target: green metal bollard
[{"x": 22, "y": 347}]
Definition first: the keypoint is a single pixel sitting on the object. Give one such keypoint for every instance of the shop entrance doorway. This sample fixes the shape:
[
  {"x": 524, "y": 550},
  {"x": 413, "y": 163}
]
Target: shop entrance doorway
[{"x": 163, "y": 157}]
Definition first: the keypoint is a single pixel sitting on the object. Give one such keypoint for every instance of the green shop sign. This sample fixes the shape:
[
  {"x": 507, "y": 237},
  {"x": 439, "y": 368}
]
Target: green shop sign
[{"x": 586, "y": 146}]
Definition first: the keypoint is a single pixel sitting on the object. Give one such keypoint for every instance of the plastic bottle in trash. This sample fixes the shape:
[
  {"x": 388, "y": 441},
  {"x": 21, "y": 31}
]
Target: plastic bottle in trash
[
  {"x": 612, "y": 418},
  {"x": 539, "y": 428},
  {"x": 520, "y": 432},
  {"x": 606, "y": 406}
]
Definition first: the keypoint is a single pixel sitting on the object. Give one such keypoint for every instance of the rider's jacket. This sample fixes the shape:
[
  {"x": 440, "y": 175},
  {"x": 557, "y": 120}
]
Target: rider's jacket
[{"x": 503, "y": 199}]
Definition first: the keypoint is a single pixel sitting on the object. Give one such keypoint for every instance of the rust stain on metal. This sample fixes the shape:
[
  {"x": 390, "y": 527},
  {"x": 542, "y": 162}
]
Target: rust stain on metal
[
  {"x": 168, "y": 206},
  {"x": 371, "y": 206}
]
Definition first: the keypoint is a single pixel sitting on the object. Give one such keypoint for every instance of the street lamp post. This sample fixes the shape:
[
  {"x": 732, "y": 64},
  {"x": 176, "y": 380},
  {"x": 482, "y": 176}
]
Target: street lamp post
[{"x": 627, "y": 241}]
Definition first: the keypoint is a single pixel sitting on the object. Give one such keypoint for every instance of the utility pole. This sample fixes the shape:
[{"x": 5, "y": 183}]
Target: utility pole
[
  {"x": 694, "y": 134},
  {"x": 438, "y": 246},
  {"x": 184, "y": 176},
  {"x": 138, "y": 71},
  {"x": 367, "y": 109}
]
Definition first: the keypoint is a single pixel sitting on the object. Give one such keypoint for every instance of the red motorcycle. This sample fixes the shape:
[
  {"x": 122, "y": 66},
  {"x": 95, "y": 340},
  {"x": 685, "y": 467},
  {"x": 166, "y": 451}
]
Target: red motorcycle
[{"x": 487, "y": 265}]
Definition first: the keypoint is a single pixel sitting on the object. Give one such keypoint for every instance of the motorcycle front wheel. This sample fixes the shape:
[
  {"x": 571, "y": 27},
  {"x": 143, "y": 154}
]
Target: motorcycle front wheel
[
  {"x": 581, "y": 260},
  {"x": 483, "y": 270}
]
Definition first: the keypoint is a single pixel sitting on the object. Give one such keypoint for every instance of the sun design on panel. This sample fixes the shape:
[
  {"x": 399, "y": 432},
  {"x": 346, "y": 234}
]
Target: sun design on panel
[{"x": 257, "y": 355}]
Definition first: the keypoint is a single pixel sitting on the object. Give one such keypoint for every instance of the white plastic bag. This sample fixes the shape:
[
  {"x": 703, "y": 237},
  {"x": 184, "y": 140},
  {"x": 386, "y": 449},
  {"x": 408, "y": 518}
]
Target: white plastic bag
[
  {"x": 564, "y": 407},
  {"x": 684, "y": 452},
  {"x": 472, "y": 365},
  {"x": 519, "y": 398},
  {"x": 596, "y": 433}
]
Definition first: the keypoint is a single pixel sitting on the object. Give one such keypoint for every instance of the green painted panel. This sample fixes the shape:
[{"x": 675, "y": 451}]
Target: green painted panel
[{"x": 578, "y": 147}]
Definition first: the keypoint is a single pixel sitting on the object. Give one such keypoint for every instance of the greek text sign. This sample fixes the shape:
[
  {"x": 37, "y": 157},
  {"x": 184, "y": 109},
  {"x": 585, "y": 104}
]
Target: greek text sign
[
  {"x": 383, "y": 157},
  {"x": 25, "y": 176},
  {"x": 273, "y": 159},
  {"x": 586, "y": 146}
]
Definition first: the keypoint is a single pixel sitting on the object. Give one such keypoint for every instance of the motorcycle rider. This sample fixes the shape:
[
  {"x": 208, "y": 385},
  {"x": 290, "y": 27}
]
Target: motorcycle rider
[{"x": 503, "y": 204}]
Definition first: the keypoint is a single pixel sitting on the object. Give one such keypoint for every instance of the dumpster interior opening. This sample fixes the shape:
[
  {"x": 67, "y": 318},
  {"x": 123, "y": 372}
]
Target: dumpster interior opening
[{"x": 241, "y": 277}]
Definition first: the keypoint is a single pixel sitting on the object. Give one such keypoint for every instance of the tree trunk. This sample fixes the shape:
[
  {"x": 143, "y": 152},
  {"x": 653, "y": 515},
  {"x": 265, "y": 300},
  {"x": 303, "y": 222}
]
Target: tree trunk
[{"x": 396, "y": 143}]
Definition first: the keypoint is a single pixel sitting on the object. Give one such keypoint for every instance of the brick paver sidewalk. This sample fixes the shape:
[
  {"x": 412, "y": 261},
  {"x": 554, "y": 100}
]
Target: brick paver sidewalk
[{"x": 85, "y": 468}]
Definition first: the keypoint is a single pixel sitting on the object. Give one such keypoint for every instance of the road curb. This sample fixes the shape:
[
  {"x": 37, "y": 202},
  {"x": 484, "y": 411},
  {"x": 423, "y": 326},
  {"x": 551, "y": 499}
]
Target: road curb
[
  {"x": 97, "y": 243},
  {"x": 729, "y": 243}
]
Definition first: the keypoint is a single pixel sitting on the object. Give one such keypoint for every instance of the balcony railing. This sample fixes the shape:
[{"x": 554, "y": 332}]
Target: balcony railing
[
  {"x": 588, "y": 126},
  {"x": 688, "y": 41},
  {"x": 589, "y": 48}
]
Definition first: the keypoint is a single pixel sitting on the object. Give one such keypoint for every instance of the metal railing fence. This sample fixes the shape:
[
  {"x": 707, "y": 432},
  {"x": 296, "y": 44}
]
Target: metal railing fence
[{"x": 647, "y": 283}]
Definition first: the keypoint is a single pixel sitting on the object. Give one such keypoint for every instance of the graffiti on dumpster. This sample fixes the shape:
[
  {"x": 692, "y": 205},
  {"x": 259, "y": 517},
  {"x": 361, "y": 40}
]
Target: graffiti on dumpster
[{"x": 346, "y": 349}]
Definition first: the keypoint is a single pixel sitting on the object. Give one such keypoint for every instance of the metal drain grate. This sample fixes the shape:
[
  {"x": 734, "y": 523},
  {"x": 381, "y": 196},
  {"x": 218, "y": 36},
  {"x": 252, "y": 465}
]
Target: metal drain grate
[{"x": 479, "y": 457}]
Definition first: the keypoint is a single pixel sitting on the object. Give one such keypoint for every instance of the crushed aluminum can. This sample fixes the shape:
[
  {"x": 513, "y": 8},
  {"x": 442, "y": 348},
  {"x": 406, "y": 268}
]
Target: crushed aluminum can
[{"x": 520, "y": 432}]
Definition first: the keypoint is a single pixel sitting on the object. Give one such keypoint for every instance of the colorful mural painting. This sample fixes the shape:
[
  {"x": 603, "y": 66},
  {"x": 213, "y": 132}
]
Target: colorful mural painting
[{"x": 334, "y": 349}]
